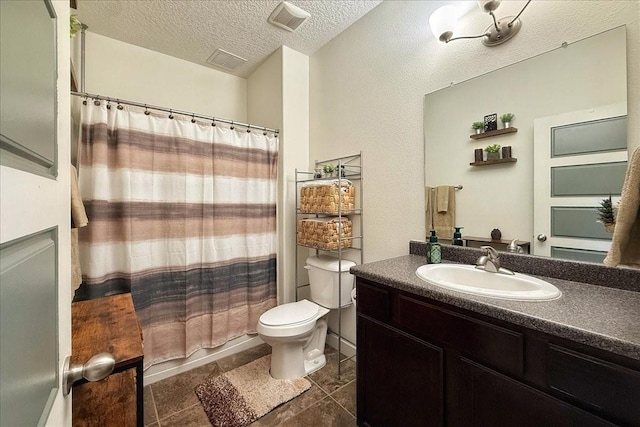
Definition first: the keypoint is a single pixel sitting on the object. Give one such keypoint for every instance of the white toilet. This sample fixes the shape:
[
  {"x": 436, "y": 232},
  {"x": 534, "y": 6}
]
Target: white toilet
[{"x": 297, "y": 331}]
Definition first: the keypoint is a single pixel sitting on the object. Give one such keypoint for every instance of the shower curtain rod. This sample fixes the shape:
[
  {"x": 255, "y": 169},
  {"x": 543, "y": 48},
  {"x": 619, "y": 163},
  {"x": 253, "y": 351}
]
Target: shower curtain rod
[{"x": 171, "y": 111}]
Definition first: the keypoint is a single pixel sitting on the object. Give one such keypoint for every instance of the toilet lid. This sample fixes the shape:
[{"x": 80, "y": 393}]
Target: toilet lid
[{"x": 290, "y": 313}]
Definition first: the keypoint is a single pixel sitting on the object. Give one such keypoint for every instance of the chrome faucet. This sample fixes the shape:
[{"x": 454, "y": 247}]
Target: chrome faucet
[
  {"x": 514, "y": 248},
  {"x": 490, "y": 261}
]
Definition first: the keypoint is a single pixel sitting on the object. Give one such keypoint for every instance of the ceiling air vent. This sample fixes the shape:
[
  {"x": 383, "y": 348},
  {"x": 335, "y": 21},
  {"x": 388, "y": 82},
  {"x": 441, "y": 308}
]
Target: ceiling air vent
[
  {"x": 223, "y": 59},
  {"x": 288, "y": 16}
]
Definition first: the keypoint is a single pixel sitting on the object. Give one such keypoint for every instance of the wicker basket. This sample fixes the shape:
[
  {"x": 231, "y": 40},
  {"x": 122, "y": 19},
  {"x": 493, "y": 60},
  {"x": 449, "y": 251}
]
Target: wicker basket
[
  {"x": 324, "y": 233},
  {"x": 326, "y": 196}
]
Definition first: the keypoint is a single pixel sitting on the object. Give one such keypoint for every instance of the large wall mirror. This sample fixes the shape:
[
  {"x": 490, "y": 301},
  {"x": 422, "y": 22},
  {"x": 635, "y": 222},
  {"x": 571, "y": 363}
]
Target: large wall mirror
[{"x": 577, "y": 91}]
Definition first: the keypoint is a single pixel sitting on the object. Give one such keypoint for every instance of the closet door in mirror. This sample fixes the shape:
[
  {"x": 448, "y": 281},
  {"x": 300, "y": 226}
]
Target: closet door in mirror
[{"x": 580, "y": 158}]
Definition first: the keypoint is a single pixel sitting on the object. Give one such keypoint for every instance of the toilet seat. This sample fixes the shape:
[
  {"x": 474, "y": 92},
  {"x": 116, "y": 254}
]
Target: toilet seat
[
  {"x": 290, "y": 314},
  {"x": 290, "y": 320}
]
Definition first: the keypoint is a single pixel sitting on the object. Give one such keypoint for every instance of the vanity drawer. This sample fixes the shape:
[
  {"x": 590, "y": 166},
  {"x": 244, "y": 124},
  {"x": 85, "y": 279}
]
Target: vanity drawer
[
  {"x": 372, "y": 300},
  {"x": 498, "y": 347},
  {"x": 605, "y": 388}
]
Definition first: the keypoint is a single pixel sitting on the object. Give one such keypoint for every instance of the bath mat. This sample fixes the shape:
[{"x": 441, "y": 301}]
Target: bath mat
[{"x": 242, "y": 395}]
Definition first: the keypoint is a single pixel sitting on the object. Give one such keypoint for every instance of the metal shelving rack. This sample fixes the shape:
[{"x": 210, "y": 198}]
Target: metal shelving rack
[{"x": 353, "y": 172}]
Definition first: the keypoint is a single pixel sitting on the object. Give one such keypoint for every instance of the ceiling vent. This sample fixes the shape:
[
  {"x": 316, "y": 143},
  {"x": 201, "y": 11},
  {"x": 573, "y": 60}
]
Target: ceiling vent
[
  {"x": 288, "y": 16},
  {"x": 223, "y": 59}
]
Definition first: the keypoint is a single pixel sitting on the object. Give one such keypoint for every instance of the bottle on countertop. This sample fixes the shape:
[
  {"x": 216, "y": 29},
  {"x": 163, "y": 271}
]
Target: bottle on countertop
[
  {"x": 457, "y": 237},
  {"x": 434, "y": 250}
]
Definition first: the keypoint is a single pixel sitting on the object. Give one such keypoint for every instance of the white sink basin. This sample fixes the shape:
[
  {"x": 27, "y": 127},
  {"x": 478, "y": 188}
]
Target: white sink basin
[{"x": 470, "y": 280}]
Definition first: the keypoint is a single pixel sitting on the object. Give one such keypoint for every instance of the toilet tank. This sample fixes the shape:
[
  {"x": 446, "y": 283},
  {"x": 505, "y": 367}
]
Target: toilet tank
[{"x": 324, "y": 274}]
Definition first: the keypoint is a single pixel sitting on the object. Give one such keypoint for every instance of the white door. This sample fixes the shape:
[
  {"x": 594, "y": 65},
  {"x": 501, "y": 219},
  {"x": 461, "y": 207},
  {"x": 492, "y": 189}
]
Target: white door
[
  {"x": 35, "y": 292},
  {"x": 579, "y": 159}
]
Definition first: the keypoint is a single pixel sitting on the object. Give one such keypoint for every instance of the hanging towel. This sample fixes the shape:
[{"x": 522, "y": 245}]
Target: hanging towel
[
  {"x": 625, "y": 246},
  {"x": 442, "y": 198},
  {"x": 78, "y": 219},
  {"x": 444, "y": 220},
  {"x": 436, "y": 217},
  {"x": 428, "y": 211}
]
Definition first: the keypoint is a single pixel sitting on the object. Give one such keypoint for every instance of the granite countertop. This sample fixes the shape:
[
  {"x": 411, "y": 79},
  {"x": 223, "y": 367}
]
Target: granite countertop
[{"x": 599, "y": 316}]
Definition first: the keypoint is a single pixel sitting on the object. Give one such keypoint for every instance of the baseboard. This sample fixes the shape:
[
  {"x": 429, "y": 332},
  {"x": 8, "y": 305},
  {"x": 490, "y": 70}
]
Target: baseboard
[
  {"x": 347, "y": 348},
  {"x": 199, "y": 358}
]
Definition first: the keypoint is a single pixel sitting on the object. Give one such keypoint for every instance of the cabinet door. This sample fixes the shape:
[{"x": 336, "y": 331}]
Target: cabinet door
[
  {"x": 400, "y": 378},
  {"x": 492, "y": 399}
]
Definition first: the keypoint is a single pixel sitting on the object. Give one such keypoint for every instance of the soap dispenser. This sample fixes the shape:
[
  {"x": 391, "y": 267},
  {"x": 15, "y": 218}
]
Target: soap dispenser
[
  {"x": 434, "y": 250},
  {"x": 457, "y": 237}
]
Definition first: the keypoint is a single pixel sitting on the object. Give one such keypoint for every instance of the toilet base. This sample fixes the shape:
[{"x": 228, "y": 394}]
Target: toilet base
[
  {"x": 311, "y": 366},
  {"x": 287, "y": 361}
]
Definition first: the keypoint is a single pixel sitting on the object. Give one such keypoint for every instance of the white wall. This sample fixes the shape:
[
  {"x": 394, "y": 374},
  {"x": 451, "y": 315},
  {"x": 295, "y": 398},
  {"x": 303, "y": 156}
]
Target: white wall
[
  {"x": 265, "y": 106},
  {"x": 367, "y": 88},
  {"x": 121, "y": 70},
  {"x": 279, "y": 98},
  {"x": 264, "y": 86},
  {"x": 295, "y": 155}
]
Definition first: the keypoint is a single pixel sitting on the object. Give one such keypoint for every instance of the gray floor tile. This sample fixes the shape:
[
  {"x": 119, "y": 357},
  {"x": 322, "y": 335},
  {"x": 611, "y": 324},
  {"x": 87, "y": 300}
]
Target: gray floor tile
[
  {"x": 325, "y": 413},
  {"x": 190, "y": 417},
  {"x": 327, "y": 377},
  {"x": 149, "y": 407},
  {"x": 346, "y": 397},
  {"x": 177, "y": 393}
]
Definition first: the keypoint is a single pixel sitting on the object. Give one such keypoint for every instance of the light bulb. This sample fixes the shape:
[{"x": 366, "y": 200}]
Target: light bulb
[
  {"x": 488, "y": 5},
  {"x": 443, "y": 22}
]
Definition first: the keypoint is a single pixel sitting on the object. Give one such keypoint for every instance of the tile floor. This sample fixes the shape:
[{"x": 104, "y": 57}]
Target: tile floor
[{"x": 329, "y": 402}]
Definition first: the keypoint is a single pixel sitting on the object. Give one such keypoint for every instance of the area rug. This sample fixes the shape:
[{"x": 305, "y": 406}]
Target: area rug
[{"x": 242, "y": 395}]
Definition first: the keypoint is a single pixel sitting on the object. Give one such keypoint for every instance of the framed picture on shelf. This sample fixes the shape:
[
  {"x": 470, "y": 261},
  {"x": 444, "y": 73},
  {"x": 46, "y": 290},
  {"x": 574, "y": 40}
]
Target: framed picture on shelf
[{"x": 490, "y": 122}]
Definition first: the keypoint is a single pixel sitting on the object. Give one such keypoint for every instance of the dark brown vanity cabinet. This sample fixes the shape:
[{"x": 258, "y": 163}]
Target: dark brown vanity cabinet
[{"x": 425, "y": 363}]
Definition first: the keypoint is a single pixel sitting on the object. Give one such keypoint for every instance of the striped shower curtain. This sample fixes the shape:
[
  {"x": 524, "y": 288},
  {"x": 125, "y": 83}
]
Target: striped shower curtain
[{"x": 183, "y": 215}]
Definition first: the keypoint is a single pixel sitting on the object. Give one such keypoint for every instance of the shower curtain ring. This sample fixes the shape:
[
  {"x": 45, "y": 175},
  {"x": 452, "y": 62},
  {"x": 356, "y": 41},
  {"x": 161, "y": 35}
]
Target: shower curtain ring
[
  {"x": 171, "y": 114},
  {"x": 96, "y": 101},
  {"x": 213, "y": 122},
  {"x": 232, "y": 126},
  {"x": 119, "y": 107},
  {"x": 146, "y": 110},
  {"x": 264, "y": 133},
  {"x": 108, "y": 104},
  {"x": 193, "y": 118},
  {"x": 84, "y": 102},
  {"x": 248, "y": 128}
]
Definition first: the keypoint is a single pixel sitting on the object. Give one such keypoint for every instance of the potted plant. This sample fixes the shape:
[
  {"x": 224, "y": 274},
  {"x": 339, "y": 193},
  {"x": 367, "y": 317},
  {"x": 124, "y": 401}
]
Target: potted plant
[
  {"x": 606, "y": 214},
  {"x": 478, "y": 127},
  {"x": 328, "y": 169},
  {"x": 74, "y": 25},
  {"x": 506, "y": 119},
  {"x": 493, "y": 152}
]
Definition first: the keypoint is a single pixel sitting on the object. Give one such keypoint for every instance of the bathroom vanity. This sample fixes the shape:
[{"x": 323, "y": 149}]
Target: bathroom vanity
[{"x": 428, "y": 356}]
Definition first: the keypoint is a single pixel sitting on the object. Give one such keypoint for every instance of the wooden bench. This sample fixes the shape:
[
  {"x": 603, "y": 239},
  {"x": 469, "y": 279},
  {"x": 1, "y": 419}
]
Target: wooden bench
[{"x": 110, "y": 325}]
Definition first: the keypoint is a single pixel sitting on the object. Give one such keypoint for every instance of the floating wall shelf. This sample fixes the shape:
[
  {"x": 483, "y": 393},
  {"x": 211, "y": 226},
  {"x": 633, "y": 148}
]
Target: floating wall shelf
[
  {"x": 491, "y": 133},
  {"x": 494, "y": 162}
]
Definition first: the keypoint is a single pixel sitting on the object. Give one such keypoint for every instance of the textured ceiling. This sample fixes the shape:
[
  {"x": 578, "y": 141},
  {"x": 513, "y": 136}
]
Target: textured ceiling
[{"x": 192, "y": 30}]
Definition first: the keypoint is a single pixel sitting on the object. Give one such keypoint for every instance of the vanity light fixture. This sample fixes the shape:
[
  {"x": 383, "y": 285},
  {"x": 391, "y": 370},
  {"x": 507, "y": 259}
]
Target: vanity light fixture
[{"x": 444, "y": 19}]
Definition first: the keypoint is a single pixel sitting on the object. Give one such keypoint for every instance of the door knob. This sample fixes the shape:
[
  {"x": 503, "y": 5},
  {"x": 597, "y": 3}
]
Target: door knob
[
  {"x": 542, "y": 237},
  {"x": 96, "y": 368}
]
